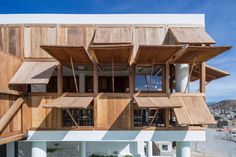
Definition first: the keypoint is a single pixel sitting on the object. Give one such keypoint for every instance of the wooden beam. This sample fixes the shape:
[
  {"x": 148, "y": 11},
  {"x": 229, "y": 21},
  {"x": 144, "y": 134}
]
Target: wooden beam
[
  {"x": 189, "y": 77},
  {"x": 95, "y": 78},
  {"x": 177, "y": 55},
  {"x": 167, "y": 78},
  {"x": 153, "y": 117},
  {"x": 68, "y": 111},
  {"x": 9, "y": 92},
  {"x": 10, "y": 113},
  {"x": 59, "y": 79},
  {"x": 167, "y": 117},
  {"x": 202, "y": 77},
  {"x": 73, "y": 71},
  {"x": 113, "y": 75},
  {"x": 12, "y": 138}
]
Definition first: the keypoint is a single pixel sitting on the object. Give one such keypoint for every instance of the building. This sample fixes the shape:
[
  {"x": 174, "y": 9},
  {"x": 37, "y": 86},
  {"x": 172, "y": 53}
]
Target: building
[{"x": 109, "y": 83}]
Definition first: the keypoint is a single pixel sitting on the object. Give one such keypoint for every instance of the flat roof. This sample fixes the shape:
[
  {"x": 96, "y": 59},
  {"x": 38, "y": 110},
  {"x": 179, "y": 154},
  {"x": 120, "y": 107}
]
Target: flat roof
[{"x": 167, "y": 19}]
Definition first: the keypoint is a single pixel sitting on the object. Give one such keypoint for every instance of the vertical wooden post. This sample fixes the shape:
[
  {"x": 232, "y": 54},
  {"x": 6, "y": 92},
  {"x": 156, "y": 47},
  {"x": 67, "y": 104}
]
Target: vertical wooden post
[
  {"x": 202, "y": 69},
  {"x": 167, "y": 115},
  {"x": 59, "y": 79},
  {"x": 113, "y": 76},
  {"x": 131, "y": 90},
  {"x": 167, "y": 81},
  {"x": 95, "y": 78}
]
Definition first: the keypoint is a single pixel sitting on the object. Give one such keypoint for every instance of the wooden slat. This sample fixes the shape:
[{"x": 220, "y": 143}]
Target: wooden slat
[
  {"x": 34, "y": 73},
  {"x": 191, "y": 35},
  {"x": 10, "y": 113},
  {"x": 11, "y": 138},
  {"x": 9, "y": 92},
  {"x": 164, "y": 102},
  {"x": 157, "y": 102},
  {"x": 69, "y": 102},
  {"x": 103, "y": 54},
  {"x": 161, "y": 53},
  {"x": 193, "y": 112},
  {"x": 63, "y": 54},
  {"x": 143, "y": 102},
  {"x": 113, "y": 35},
  {"x": 201, "y": 53}
]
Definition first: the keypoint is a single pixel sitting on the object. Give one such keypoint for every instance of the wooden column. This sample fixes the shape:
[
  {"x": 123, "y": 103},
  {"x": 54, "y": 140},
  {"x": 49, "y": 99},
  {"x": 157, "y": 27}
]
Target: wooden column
[
  {"x": 131, "y": 79},
  {"x": 95, "y": 78},
  {"x": 59, "y": 79},
  {"x": 202, "y": 68},
  {"x": 167, "y": 115},
  {"x": 167, "y": 79},
  {"x": 113, "y": 75}
]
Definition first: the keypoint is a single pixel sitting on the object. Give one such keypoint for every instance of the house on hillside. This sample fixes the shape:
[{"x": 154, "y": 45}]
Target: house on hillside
[{"x": 82, "y": 85}]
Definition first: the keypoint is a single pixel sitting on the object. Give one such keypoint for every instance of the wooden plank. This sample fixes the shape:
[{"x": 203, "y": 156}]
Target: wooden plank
[
  {"x": 191, "y": 35},
  {"x": 162, "y": 53},
  {"x": 70, "y": 102},
  {"x": 113, "y": 35},
  {"x": 202, "y": 53},
  {"x": 34, "y": 73},
  {"x": 10, "y": 113},
  {"x": 202, "y": 77},
  {"x": 150, "y": 35},
  {"x": 9, "y": 92},
  {"x": 103, "y": 54},
  {"x": 63, "y": 53},
  {"x": 59, "y": 79},
  {"x": 8, "y": 66},
  {"x": 194, "y": 111},
  {"x": 11, "y": 138},
  {"x": 212, "y": 73}
]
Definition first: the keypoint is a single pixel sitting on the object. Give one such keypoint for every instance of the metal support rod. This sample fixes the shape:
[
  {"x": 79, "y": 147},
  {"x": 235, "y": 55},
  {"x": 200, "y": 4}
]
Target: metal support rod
[
  {"x": 73, "y": 71},
  {"x": 189, "y": 77}
]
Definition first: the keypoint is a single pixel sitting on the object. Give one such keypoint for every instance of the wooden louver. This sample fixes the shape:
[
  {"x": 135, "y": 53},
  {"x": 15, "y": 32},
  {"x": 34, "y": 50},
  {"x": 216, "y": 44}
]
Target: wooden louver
[
  {"x": 157, "y": 102},
  {"x": 191, "y": 35},
  {"x": 64, "y": 54},
  {"x": 70, "y": 102},
  {"x": 34, "y": 73},
  {"x": 193, "y": 112}
]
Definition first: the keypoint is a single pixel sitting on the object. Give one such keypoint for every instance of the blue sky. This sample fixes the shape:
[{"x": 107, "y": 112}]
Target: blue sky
[{"x": 220, "y": 24}]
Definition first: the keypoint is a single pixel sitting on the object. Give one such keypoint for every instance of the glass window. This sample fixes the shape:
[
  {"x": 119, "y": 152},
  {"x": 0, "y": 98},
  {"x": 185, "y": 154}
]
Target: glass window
[
  {"x": 149, "y": 78},
  {"x": 84, "y": 117}
]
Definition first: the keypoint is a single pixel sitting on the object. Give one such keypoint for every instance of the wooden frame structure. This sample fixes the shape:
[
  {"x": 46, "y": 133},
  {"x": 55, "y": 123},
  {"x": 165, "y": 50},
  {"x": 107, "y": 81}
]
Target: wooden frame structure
[{"x": 71, "y": 46}]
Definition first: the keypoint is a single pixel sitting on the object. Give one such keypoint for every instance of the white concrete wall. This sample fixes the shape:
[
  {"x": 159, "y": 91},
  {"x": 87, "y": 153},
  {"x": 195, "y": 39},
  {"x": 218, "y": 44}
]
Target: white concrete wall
[
  {"x": 116, "y": 136},
  {"x": 167, "y": 19}
]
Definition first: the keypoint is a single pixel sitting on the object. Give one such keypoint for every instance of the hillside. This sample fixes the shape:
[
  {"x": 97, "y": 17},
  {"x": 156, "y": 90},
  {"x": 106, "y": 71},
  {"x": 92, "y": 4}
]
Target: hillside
[{"x": 224, "y": 105}]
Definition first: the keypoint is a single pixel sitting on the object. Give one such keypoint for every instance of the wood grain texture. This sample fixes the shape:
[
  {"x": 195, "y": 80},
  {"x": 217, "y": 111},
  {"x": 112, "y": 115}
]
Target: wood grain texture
[
  {"x": 104, "y": 54},
  {"x": 193, "y": 35},
  {"x": 212, "y": 73},
  {"x": 36, "y": 36},
  {"x": 63, "y": 54},
  {"x": 34, "y": 73},
  {"x": 70, "y": 102},
  {"x": 8, "y": 66},
  {"x": 160, "y": 54},
  {"x": 113, "y": 35},
  {"x": 201, "y": 53},
  {"x": 10, "y": 113},
  {"x": 194, "y": 111},
  {"x": 113, "y": 111}
]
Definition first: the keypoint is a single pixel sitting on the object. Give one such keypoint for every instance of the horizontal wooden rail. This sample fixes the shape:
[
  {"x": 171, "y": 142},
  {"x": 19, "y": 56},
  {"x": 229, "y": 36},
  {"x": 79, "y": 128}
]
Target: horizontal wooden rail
[
  {"x": 9, "y": 92},
  {"x": 10, "y": 113},
  {"x": 11, "y": 138}
]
